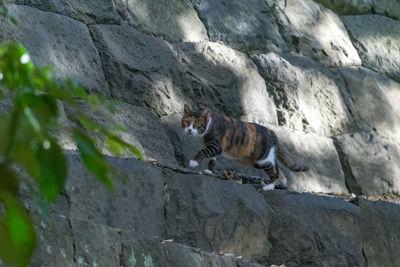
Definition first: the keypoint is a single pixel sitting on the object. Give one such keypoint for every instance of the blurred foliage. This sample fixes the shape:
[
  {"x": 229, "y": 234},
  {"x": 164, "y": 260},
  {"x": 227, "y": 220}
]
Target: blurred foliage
[{"x": 27, "y": 145}]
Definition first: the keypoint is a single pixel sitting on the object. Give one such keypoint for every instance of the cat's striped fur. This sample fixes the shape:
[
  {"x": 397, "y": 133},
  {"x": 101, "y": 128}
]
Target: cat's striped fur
[{"x": 247, "y": 143}]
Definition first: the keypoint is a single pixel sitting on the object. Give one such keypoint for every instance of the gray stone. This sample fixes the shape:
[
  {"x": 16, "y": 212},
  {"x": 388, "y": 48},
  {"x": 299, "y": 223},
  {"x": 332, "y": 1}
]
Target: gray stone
[
  {"x": 377, "y": 41},
  {"x": 313, "y": 230},
  {"x": 319, "y": 154},
  {"x": 140, "y": 251},
  {"x": 89, "y": 11},
  {"x": 229, "y": 79},
  {"x": 200, "y": 211},
  {"x": 137, "y": 203},
  {"x": 370, "y": 163},
  {"x": 138, "y": 124},
  {"x": 307, "y": 94},
  {"x": 372, "y": 99},
  {"x": 174, "y": 20},
  {"x": 154, "y": 74},
  {"x": 380, "y": 232},
  {"x": 58, "y": 41},
  {"x": 390, "y": 8},
  {"x": 244, "y": 25},
  {"x": 316, "y": 32},
  {"x": 55, "y": 242},
  {"x": 217, "y": 215},
  {"x": 140, "y": 68},
  {"x": 95, "y": 244}
]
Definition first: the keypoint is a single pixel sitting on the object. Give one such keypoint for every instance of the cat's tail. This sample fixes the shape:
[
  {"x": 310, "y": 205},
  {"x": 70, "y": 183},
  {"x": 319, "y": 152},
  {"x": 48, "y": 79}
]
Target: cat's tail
[{"x": 288, "y": 162}]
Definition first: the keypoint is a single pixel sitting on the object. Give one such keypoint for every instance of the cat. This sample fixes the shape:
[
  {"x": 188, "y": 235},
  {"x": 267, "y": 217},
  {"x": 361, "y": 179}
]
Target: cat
[{"x": 245, "y": 142}]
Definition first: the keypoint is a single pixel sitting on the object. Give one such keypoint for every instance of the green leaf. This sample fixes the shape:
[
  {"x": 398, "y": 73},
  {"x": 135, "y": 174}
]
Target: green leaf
[
  {"x": 114, "y": 146},
  {"x": 46, "y": 163},
  {"x": 39, "y": 109},
  {"x": 125, "y": 145},
  {"x": 53, "y": 169},
  {"x": 17, "y": 235},
  {"x": 93, "y": 160},
  {"x": 5, "y": 136},
  {"x": 9, "y": 182},
  {"x": 89, "y": 124}
]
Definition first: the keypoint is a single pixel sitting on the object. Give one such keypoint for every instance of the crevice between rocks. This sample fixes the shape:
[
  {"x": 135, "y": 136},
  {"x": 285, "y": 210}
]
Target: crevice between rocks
[
  {"x": 365, "y": 256},
  {"x": 349, "y": 178},
  {"x": 195, "y": 7},
  {"x": 101, "y": 62},
  {"x": 70, "y": 226}
]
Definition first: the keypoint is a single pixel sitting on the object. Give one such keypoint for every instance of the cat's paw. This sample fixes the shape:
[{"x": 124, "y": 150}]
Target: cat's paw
[
  {"x": 193, "y": 163},
  {"x": 208, "y": 172},
  {"x": 268, "y": 187}
]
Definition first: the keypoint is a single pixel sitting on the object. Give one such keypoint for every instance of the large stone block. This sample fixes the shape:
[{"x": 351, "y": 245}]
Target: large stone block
[
  {"x": 370, "y": 163},
  {"x": 307, "y": 94},
  {"x": 59, "y": 41},
  {"x": 141, "y": 128},
  {"x": 217, "y": 215},
  {"x": 244, "y": 25},
  {"x": 95, "y": 244},
  {"x": 389, "y": 8},
  {"x": 314, "y": 230},
  {"x": 175, "y": 20},
  {"x": 380, "y": 232},
  {"x": 377, "y": 40},
  {"x": 137, "y": 203},
  {"x": 89, "y": 11},
  {"x": 225, "y": 79},
  {"x": 146, "y": 71},
  {"x": 372, "y": 99},
  {"x": 319, "y": 154},
  {"x": 316, "y": 32}
]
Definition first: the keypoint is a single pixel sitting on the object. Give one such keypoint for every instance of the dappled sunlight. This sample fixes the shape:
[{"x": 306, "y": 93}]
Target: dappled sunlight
[
  {"x": 175, "y": 20},
  {"x": 322, "y": 35}
]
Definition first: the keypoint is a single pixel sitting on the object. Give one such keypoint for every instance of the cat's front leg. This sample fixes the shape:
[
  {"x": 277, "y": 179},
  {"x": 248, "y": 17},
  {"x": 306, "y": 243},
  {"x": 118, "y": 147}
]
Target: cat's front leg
[{"x": 210, "y": 151}]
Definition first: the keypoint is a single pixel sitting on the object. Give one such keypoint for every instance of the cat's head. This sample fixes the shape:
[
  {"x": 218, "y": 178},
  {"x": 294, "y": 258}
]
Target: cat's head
[{"x": 194, "y": 123}]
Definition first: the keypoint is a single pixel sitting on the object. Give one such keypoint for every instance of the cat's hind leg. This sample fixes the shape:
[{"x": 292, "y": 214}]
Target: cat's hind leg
[{"x": 276, "y": 176}]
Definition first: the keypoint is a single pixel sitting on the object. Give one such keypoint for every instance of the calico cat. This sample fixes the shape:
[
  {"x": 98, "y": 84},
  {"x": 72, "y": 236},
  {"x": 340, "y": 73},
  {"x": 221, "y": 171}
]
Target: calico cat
[{"x": 245, "y": 142}]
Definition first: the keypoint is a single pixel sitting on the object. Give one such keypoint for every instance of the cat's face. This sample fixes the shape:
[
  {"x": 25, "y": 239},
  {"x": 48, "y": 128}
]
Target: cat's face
[{"x": 193, "y": 123}]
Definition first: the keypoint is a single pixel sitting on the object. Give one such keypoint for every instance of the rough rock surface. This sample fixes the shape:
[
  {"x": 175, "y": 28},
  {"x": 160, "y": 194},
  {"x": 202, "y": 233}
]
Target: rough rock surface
[
  {"x": 380, "y": 228},
  {"x": 314, "y": 230},
  {"x": 372, "y": 99},
  {"x": 369, "y": 34},
  {"x": 316, "y": 32},
  {"x": 317, "y": 153},
  {"x": 162, "y": 77},
  {"x": 307, "y": 94},
  {"x": 247, "y": 26},
  {"x": 293, "y": 66},
  {"x": 89, "y": 11},
  {"x": 390, "y": 8},
  {"x": 174, "y": 219},
  {"x": 370, "y": 163},
  {"x": 175, "y": 20},
  {"x": 58, "y": 41}
]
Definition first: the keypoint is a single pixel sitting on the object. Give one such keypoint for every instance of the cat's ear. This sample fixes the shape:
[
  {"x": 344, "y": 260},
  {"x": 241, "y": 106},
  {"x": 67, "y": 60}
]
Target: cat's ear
[
  {"x": 186, "y": 109},
  {"x": 204, "y": 115}
]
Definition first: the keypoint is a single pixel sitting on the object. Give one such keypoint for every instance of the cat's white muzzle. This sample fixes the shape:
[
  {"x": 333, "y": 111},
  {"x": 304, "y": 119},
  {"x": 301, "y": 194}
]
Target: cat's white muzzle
[{"x": 191, "y": 131}]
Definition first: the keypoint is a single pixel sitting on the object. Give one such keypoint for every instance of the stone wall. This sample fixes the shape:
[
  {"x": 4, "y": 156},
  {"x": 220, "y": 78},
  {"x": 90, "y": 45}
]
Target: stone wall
[{"x": 324, "y": 75}]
